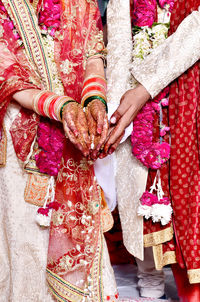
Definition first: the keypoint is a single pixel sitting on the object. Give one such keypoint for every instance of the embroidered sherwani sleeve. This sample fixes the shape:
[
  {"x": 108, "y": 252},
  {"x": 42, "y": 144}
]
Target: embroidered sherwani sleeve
[{"x": 167, "y": 62}]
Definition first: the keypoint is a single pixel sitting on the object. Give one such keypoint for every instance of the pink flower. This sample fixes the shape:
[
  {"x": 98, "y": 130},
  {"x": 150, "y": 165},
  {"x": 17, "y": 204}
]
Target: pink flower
[
  {"x": 164, "y": 200},
  {"x": 54, "y": 205},
  {"x": 152, "y": 159},
  {"x": 161, "y": 95},
  {"x": 156, "y": 106},
  {"x": 43, "y": 211},
  {"x": 164, "y": 150},
  {"x": 148, "y": 199},
  {"x": 165, "y": 102},
  {"x": 50, "y": 14},
  {"x": 164, "y": 129},
  {"x": 144, "y": 13},
  {"x": 51, "y": 142}
]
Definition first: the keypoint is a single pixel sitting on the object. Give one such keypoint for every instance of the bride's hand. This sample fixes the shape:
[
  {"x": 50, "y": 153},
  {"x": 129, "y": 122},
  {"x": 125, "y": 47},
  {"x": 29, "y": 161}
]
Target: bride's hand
[
  {"x": 131, "y": 102},
  {"x": 98, "y": 126},
  {"x": 75, "y": 127}
]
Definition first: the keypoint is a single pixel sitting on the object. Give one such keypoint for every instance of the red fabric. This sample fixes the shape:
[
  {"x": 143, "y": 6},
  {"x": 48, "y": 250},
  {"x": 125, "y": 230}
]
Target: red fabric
[
  {"x": 187, "y": 292},
  {"x": 184, "y": 113},
  {"x": 181, "y": 176}
]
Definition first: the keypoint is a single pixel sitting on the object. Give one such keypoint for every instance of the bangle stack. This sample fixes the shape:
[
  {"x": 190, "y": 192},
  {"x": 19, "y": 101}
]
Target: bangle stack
[
  {"x": 48, "y": 104},
  {"x": 94, "y": 87}
]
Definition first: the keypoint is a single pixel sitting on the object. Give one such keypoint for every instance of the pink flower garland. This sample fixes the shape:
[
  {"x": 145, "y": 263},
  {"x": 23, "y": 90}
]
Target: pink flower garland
[
  {"x": 50, "y": 15},
  {"x": 151, "y": 154},
  {"x": 144, "y": 12},
  {"x": 51, "y": 140}
]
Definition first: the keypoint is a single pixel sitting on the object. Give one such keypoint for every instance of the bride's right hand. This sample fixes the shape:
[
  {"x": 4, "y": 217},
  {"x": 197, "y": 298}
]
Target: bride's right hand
[{"x": 75, "y": 127}]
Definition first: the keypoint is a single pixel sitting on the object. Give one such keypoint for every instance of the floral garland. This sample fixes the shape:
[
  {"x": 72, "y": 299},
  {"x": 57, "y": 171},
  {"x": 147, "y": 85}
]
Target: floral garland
[
  {"x": 49, "y": 16},
  {"x": 148, "y": 34},
  {"x": 50, "y": 140}
]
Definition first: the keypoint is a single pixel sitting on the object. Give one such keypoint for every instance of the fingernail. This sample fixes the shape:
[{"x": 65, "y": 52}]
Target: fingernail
[
  {"x": 111, "y": 151},
  {"x": 113, "y": 120},
  {"x": 99, "y": 130}
]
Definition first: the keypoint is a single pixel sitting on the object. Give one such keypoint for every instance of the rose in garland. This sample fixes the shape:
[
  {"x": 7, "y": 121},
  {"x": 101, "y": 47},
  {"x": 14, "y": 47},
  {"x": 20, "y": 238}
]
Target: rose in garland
[{"x": 144, "y": 13}]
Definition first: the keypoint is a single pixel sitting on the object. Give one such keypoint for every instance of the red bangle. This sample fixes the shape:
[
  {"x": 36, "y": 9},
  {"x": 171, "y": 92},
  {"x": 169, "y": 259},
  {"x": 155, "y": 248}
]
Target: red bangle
[
  {"x": 95, "y": 80},
  {"x": 51, "y": 107},
  {"x": 92, "y": 88},
  {"x": 41, "y": 102}
]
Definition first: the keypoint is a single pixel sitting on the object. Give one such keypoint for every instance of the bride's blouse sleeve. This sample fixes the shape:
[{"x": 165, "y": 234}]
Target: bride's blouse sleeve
[{"x": 167, "y": 62}]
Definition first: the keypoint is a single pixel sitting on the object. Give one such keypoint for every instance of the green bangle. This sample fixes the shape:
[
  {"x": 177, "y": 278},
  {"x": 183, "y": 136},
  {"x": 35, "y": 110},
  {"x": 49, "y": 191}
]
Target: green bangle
[
  {"x": 65, "y": 103},
  {"x": 94, "y": 97}
]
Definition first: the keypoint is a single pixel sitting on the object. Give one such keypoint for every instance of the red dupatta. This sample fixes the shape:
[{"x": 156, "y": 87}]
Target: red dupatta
[{"x": 75, "y": 246}]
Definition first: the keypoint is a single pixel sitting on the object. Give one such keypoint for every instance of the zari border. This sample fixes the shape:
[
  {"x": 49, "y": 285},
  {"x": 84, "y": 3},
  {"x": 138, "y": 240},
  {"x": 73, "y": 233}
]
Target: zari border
[
  {"x": 3, "y": 148},
  {"x": 64, "y": 291},
  {"x": 194, "y": 275},
  {"x": 161, "y": 259},
  {"x": 23, "y": 15},
  {"x": 158, "y": 237}
]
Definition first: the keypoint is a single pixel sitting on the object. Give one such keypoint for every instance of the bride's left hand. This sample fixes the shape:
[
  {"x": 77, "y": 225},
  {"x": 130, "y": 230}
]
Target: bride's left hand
[{"x": 97, "y": 125}]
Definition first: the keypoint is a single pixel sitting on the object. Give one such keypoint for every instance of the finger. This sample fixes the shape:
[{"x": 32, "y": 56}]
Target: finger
[
  {"x": 115, "y": 145},
  {"x": 100, "y": 120},
  {"x": 91, "y": 123},
  {"x": 121, "y": 110},
  {"x": 115, "y": 117},
  {"x": 70, "y": 118},
  {"x": 116, "y": 133},
  {"x": 77, "y": 142},
  {"x": 83, "y": 128},
  {"x": 103, "y": 134}
]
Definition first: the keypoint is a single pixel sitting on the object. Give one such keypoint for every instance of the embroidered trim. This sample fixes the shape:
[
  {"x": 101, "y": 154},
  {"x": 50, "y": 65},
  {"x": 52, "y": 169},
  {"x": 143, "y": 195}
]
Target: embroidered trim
[
  {"x": 64, "y": 291},
  {"x": 161, "y": 259},
  {"x": 3, "y": 148},
  {"x": 194, "y": 275},
  {"x": 158, "y": 237},
  {"x": 36, "y": 189},
  {"x": 25, "y": 20}
]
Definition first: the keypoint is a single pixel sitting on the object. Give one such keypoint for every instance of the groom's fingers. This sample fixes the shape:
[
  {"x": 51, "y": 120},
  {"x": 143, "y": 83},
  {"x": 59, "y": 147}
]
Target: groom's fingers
[
  {"x": 118, "y": 130},
  {"x": 115, "y": 145}
]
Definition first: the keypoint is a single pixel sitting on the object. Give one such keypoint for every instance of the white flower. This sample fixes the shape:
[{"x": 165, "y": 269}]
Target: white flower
[
  {"x": 144, "y": 210},
  {"x": 43, "y": 220},
  {"x": 162, "y": 213}
]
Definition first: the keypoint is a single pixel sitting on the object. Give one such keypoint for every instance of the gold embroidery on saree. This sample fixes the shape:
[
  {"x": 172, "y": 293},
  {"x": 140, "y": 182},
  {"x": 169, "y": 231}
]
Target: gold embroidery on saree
[
  {"x": 3, "y": 145},
  {"x": 24, "y": 18}
]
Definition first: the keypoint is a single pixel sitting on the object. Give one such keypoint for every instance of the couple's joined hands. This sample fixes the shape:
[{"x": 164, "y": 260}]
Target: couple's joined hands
[
  {"x": 86, "y": 130},
  {"x": 89, "y": 131}
]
